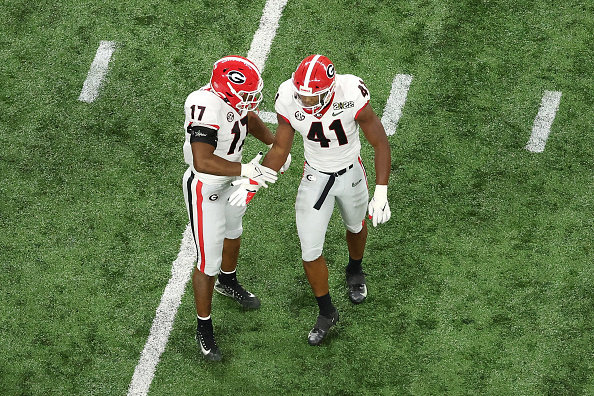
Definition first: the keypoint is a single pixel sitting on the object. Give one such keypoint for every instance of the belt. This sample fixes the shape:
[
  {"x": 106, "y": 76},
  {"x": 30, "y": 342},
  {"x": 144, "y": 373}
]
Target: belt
[
  {"x": 329, "y": 184},
  {"x": 340, "y": 172}
]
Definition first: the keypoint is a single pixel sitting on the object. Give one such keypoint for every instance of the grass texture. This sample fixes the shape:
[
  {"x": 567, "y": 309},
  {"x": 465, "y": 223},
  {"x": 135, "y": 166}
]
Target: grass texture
[{"x": 479, "y": 284}]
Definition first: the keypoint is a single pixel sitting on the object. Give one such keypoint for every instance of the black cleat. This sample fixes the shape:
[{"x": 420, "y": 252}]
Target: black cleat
[
  {"x": 208, "y": 346},
  {"x": 239, "y": 294},
  {"x": 357, "y": 287},
  {"x": 320, "y": 329}
]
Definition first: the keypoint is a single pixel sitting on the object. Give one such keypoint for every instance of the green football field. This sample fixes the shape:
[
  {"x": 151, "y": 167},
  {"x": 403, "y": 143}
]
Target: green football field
[{"x": 480, "y": 284}]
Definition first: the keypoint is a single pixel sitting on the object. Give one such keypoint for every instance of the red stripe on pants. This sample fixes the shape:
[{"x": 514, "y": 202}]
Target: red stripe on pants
[
  {"x": 200, "y": 221},
  {"x": 364, "y": 173}
]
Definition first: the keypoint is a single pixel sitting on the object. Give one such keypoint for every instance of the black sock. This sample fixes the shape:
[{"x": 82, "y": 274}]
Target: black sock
[
  {"x": 325, "y": 304},
  {"x": 228, "y": 278},
  {"x": 205, "y": 325},
  {"x": 354, "y": 266}
]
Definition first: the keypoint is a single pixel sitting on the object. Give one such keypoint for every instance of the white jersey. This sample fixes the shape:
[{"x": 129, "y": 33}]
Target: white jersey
[
  {"x": 331, "y": 142},
  {"x": 205, "y": 108}
]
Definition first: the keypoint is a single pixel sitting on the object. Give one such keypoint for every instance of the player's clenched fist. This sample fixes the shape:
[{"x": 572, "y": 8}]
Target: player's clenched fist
[{"x": 258, "y": 173}]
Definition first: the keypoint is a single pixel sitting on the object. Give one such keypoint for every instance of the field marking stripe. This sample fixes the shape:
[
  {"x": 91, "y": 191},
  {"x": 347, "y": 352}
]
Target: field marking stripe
[
  {"x": 395, "y": 102},
  {"x": 263, "y": 37},
  {"x": 97, "y": 72},
  {"x": 269, "y": 117},
  {"x": 182, "y": 266},
  {"x": 163, "y": 323},
  {"x": 544, "y": 121}
]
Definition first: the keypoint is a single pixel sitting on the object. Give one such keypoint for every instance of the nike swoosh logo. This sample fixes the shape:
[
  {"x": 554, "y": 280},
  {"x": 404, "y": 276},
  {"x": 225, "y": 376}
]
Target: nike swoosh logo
[{"x": 335, "y": 114}]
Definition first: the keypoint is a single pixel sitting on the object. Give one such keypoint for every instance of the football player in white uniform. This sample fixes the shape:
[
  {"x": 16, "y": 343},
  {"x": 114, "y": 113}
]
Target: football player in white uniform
[
  {"x": 218, "y": 118},
  {"x": 327, "y": 109}
]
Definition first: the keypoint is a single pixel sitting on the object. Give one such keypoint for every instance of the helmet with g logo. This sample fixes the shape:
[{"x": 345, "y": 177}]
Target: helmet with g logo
[
  {"x": 314, "y": 82},
  {"x": 238, "y": 82}
]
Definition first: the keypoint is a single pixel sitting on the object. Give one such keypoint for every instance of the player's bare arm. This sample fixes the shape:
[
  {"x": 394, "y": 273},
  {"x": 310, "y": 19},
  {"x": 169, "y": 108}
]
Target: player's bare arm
[
  {"x": 205, "y": 161},
  {"x": 283, "y": 140},
  {"x": 258, "y": 129},
  {"x": 376, "y": 135}
]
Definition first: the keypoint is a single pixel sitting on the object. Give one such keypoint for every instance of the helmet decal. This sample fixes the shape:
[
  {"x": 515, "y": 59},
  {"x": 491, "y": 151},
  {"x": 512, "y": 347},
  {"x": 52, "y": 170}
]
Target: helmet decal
[
  {"x": 236, "y": 77},
  {"x": 330, "y": 71}
]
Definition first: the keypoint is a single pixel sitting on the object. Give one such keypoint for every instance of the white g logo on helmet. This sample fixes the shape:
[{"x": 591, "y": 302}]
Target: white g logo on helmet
[
  {"x": 330, "y": 70},
  {"x": 236, "y": 77}
]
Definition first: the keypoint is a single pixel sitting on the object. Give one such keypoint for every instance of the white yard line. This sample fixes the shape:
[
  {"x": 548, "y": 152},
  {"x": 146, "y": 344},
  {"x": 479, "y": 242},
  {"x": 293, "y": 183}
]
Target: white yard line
[
  {"x": 263, "y": 37},
  {"x": 269, "y": 117},
  {"x": 97, "y": 72},
  {"x": 395, "y": 102},
  {"x": 543, "y": 121},
  {"x": 184, "y": 264},
  {"x": 166, "y": 311}
]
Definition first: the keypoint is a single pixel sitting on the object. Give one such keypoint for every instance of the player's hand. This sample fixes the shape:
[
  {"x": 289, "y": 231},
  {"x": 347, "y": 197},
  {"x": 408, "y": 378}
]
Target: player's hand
[
  {"x": 379, "y": 209},
  {"x": 286, "y": 165},
  {"x": 258, "y": 173},
  {"x": 244, "y": 194}
]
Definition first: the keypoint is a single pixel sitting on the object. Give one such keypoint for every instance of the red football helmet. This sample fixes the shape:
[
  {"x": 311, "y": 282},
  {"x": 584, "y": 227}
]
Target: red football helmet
[
  {"x": 314, "y": 83},
  {"x": 237, "y": 80}
]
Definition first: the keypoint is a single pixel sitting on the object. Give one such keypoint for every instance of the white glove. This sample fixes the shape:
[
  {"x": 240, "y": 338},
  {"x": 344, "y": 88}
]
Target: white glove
[
  {"x": 287, "y": 163},
  {"x": 379, "y": 210},
  {"x": 244, "y": 194},
  {"x": 258, "y": 173}
]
